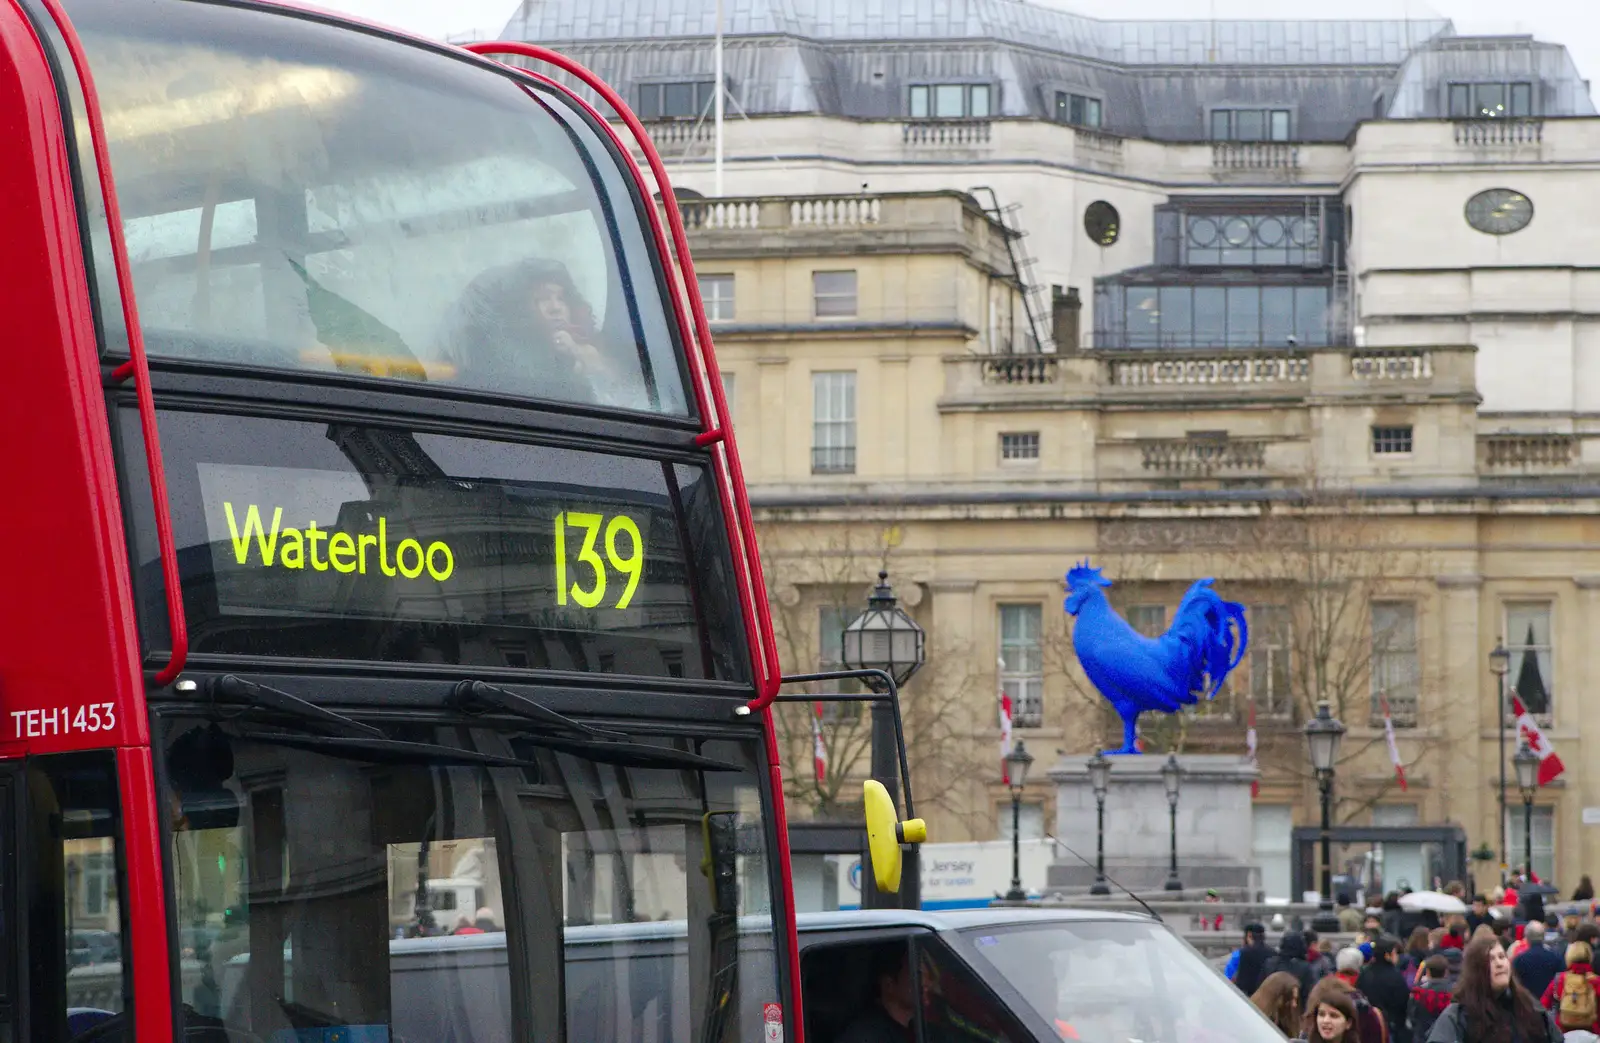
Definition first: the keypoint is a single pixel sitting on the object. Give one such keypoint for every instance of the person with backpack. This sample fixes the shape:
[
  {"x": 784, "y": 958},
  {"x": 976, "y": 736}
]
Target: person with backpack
[
  {"x": 1370, "y": 1023},
  {"x": 1384, "y": 984},
  {"x": 1429, "y": 997},
  {"x": 1489, "y": 1006},
  {"x": 1572, "y": 994}
]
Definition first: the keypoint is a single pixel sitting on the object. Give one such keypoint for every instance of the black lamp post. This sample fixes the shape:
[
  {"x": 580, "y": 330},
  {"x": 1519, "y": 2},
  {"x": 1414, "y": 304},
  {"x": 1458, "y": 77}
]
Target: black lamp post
[
  {"x": 1323, "y": 735},
  {"x": 885, "y": 638},
  {"x": 1500, "y": 666},
  {"x": 1018, "y": 761},
  {"x": 1100, "y": 781},
  {"x": 1527, "y": 764},
  {"x": 1171, "y": 775}
]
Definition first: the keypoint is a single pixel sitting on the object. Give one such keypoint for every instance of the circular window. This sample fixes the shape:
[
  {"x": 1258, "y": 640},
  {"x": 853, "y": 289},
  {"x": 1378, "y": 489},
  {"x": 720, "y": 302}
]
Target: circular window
[
  {"x": 1202, "y": 231},
  {"x": 1270, "y": 232},
  {"x": 1236, "y": 232},
  {"x": 1102, "y": 222},
  {"x": 1499, "y": 211}
]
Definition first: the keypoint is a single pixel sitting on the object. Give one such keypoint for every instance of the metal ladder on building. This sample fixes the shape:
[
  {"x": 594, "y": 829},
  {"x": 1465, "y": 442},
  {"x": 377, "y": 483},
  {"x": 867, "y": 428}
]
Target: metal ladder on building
[{"x": 1034, "y": 302}]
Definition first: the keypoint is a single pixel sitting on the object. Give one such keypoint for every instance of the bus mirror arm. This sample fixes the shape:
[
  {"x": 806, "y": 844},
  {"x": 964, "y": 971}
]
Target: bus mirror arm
[{"x": 886, "y": 831}]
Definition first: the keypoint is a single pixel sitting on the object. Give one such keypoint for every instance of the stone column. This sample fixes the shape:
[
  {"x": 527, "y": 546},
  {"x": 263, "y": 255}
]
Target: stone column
[{"x": 1572, "y": 835}]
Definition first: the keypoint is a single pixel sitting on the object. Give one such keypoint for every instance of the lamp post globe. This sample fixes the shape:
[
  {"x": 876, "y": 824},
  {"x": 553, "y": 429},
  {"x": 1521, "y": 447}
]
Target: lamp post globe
[
  {"x": 1499, "y": 659},
  {"x": 884, "y": 637},
  {"x": 1324, "y": 732},
  {"x": 1100, "y": 781},
  {"x": 1018, "y": 761}
]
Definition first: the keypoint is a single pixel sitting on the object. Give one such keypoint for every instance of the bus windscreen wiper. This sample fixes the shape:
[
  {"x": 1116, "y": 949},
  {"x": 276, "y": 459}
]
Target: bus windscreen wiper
[
  {"x": 623, "y": 754},
  {"x": 478, "y": 696},
  {"x": 232, "y": 689},
  {"x": 628, "y": 754},
  {"x": 380, "y": 749}
]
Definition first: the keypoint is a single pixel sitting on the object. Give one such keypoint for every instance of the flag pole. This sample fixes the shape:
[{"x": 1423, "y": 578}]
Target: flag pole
[{"x": 718, "y": 104}]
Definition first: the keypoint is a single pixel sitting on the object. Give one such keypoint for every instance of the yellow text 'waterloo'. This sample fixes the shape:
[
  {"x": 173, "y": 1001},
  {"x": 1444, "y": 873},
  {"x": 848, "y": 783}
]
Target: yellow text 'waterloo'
[{"x": 296, "y": 549}]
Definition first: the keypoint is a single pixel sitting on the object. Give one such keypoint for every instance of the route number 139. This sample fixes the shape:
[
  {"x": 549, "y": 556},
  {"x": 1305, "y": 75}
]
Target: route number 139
[{"x": 589, "y": 562}]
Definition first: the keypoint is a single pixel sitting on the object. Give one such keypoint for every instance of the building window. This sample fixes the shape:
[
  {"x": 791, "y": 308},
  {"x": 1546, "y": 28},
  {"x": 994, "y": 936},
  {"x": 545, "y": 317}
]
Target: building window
[
  {"x": 1269, "y": 659},
  {"x": 1077, "y": 109},
  {"x": 831, "y": 621},
  {"x": 1022, "y": 664},
  {"x": 1030, "y": 821},
  {"x": 1544, "y": 839},
  {"x": 1181, "y": 317},
  {"x": 1149, "y": 620},
  {"x": 682, "y": 99},
  {"x": 1019, "y": 447},
  {"x": 1490, "y": 100},
  {"x": 833, "y": 295},
  {"x": 716, "y": 293},
  {"x": 1251, "y": 240},
  {"x": 1250, "y": 124},
  {"x": 833, "y": 422},
  {"x": 1395, "y": 673},
  {"x": 730, "y": 384},
  {"x": 99, "y": 883},
  {"x": 1528, "y": 641},
  {"x": 951, "y": 101},
  {"x": 1391, "y": 440}
]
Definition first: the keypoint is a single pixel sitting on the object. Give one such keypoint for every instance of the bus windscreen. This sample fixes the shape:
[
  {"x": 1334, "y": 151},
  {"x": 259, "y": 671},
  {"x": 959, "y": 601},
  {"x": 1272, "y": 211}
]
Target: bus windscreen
[
  {"x": 300, "y": 199},
  {"x": 349, "y": 541}
]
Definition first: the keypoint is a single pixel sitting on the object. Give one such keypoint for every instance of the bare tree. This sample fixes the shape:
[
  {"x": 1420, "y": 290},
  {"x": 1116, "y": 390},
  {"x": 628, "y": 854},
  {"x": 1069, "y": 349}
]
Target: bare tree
[{"x": 819, "y": 579}]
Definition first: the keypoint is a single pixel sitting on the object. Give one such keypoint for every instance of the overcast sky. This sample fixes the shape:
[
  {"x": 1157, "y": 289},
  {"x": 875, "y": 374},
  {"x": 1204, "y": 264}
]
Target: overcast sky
[{"x": 1575, "y": 23}]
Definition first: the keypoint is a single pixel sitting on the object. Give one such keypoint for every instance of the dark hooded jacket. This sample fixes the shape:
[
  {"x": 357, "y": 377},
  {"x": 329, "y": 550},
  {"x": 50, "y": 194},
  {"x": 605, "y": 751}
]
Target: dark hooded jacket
[
  {"x": 1253, "y": 959},
  {"x": 1291, "y": 957}
]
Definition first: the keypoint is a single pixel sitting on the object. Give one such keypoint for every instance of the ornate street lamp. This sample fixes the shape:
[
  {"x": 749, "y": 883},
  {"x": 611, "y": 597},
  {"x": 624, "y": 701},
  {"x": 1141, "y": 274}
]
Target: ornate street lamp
[
  {"x": 1018, "y": 761},
  {"x": 1500, "y": 666},
  {"x": 1323, "y": 735},
  {"x": 1171, "y": 777},
  {"x": 1527, "y": 764},
  {"x": 885, "y": 638},
  {"x": 1100, "y": 781}
]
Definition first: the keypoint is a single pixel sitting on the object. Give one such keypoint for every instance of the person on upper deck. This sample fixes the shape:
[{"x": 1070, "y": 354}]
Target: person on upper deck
[{"x": 526, "y": 327}]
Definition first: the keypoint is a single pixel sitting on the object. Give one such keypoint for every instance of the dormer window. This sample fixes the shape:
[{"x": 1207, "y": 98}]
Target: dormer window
[
  {"x": 1481, "y": 101},
  {"x": 950, "y": 101},
  {"x": 1249, "y": 124},
  {"x": 1079, "y": 110},
  {"x": 675, "y": 99}
]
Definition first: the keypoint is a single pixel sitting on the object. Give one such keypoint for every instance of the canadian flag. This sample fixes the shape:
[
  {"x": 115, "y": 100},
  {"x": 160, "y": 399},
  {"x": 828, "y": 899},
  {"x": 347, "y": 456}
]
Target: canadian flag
[
  {"x": 1394, "y": 747},
  {"x": 1528, "y": 730},
  {"x": 819, "y": 751},
  {"x": 1250, "y": 754},
  {"x": 1005, "y": 732}
]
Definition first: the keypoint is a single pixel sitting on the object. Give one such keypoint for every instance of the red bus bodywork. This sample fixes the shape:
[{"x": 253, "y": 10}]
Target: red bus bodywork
[{"x": 68, "y": 629}]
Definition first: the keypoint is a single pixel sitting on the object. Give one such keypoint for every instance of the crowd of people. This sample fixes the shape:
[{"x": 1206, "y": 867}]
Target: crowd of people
[{"x": 1505, "y": 971}]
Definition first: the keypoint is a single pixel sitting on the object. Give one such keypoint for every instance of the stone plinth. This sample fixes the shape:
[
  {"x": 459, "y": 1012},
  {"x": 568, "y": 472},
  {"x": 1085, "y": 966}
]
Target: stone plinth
[{"x": 1215, "y": 825}]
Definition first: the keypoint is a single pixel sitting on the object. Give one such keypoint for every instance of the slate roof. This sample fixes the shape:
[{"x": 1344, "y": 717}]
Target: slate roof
[{"x": 1156, "y": 79}]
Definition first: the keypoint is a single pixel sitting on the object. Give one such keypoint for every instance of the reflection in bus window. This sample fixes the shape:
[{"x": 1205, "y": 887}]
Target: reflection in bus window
[
  {"x": 300, "y": 198},
  {"x": 406, "y": 897},
  {"x": 72, "y": 849}
]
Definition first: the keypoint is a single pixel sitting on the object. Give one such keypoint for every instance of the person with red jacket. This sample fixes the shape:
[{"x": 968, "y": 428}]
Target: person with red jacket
[
  {"x": 1429, "y": 997},
  {"x": 1579, "y": 957}
]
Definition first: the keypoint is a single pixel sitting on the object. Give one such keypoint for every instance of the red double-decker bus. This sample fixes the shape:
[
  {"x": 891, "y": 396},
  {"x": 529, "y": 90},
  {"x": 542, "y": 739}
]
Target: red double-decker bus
[{"x": 381, "y": 619}]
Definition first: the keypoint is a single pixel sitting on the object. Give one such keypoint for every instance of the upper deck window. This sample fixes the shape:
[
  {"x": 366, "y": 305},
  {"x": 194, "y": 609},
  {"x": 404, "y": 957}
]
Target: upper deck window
[{"x": 301, "y": 197}]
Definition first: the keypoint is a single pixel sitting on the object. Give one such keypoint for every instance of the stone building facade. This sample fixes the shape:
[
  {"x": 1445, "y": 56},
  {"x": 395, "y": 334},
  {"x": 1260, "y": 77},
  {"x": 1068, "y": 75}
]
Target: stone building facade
[{"x": 1311, "y": 308}]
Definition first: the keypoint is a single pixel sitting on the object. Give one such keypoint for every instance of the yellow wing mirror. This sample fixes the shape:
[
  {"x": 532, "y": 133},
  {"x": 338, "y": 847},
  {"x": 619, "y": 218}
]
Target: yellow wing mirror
[{"x": 885, "y": 834}]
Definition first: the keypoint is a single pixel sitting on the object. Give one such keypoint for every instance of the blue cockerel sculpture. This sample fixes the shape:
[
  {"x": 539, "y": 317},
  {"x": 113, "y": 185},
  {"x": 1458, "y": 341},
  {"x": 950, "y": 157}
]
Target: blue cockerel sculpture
[{"x": 1136, "y": 673}]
